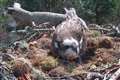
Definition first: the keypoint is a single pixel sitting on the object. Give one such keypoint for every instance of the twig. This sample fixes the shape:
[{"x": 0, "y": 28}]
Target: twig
[
  {"x": 48, "y": 29},
  {"x": 30, "y": 37},
  {"x": 104, "y": 29},
  {"x": 107, "y": 74},
  {"x": 92, "y": 75},
  {"x": 116, "y": 75}
]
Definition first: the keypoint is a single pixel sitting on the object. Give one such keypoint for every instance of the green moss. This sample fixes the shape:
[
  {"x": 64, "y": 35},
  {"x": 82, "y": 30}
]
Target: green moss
[
  {"x": 49, "y": 63},
  {"x": 96, "y": 34},
  {"x": 71, "y": 67}
]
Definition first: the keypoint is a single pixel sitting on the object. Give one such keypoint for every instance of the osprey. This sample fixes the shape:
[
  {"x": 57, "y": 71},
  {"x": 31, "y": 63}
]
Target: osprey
[{"x": 69, "y": 41}]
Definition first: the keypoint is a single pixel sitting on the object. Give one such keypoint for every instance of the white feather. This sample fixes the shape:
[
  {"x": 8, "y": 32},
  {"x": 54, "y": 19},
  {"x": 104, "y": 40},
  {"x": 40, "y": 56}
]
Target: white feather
[
  {"x": 33, "y": 23},
  {"x": 70, "y": 41},
  {"x": 56, "y": 45},
  {"x": 67, "y": 42},
  {"x": 81, "y": 41},
  {"x": 78, "y": 50},
  {"x": 84, "y": 24}
]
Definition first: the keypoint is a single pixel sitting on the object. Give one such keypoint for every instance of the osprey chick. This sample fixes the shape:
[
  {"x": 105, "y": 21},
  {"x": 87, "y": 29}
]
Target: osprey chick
[{"x": 69, "y": 41}]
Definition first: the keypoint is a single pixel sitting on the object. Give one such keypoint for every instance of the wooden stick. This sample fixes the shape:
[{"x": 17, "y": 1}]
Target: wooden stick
[{"x": 116, "y": 75}]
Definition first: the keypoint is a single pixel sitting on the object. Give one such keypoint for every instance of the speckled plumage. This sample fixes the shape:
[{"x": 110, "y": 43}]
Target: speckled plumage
[{"x": 68, "y": 39}]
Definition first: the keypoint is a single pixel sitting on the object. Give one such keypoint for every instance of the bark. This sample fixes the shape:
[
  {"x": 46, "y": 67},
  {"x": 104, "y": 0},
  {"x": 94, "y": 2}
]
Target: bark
[
  {"x": 25, "y": 18},
  {"x": 116, "y": 75}
]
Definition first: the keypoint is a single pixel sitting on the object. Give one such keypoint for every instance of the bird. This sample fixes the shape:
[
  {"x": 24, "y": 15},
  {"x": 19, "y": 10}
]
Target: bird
[{"x": 69, "y": 40}]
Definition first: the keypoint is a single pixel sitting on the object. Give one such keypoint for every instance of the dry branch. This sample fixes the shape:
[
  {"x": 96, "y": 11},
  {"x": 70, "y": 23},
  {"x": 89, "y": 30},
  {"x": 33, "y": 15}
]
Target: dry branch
[
  {"x": 116, "y": 75},
  {"x": 26, "y": 18},
  {"x": 94, "y": 75}
]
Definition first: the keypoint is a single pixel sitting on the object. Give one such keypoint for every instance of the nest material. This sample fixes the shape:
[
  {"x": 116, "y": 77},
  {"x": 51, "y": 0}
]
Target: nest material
[{"x": 20, "y": 68}]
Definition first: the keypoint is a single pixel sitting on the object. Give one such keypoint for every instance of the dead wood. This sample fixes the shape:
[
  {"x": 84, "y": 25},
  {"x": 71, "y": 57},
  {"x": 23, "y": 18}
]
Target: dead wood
[
  {"x": 116, "y": 75},
  {"x": 25, "y": 18}
]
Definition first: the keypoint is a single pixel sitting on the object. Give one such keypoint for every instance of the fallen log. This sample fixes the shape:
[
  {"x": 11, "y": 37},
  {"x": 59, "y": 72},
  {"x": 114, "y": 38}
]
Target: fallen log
[{"x": 26, "y": 18}]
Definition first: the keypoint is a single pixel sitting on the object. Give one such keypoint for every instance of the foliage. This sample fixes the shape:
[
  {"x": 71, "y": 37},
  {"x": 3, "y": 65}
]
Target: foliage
[
  {"x": 96, "y": 34},
  {"x": 3, "y": 2},
  {"x": 90, "y": 10},
  {"x": 95, "y": 11}
]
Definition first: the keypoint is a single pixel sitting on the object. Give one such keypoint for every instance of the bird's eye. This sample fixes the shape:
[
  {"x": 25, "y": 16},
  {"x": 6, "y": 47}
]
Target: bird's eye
[{"x": 66, "y": 47}]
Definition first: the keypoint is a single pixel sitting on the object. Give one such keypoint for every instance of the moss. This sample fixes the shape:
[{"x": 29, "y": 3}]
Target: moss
[
  {"x": 96, "y": 34},
  {"x": 70, "y": 68},
  {"x": 49, "y": 63}
]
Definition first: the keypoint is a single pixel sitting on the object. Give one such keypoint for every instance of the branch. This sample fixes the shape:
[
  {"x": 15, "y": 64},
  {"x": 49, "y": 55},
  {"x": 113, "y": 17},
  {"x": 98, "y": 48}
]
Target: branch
[
  {"x": 26, "y": 18},
  {"x": 94, "y": 75},
  {"x": 116, "y": 75}
]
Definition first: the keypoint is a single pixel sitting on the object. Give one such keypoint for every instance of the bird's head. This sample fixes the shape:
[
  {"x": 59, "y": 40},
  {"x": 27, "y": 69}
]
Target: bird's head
[
  {"x": 70, "y": 13},
  {"x": 68, "y": 48}
]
